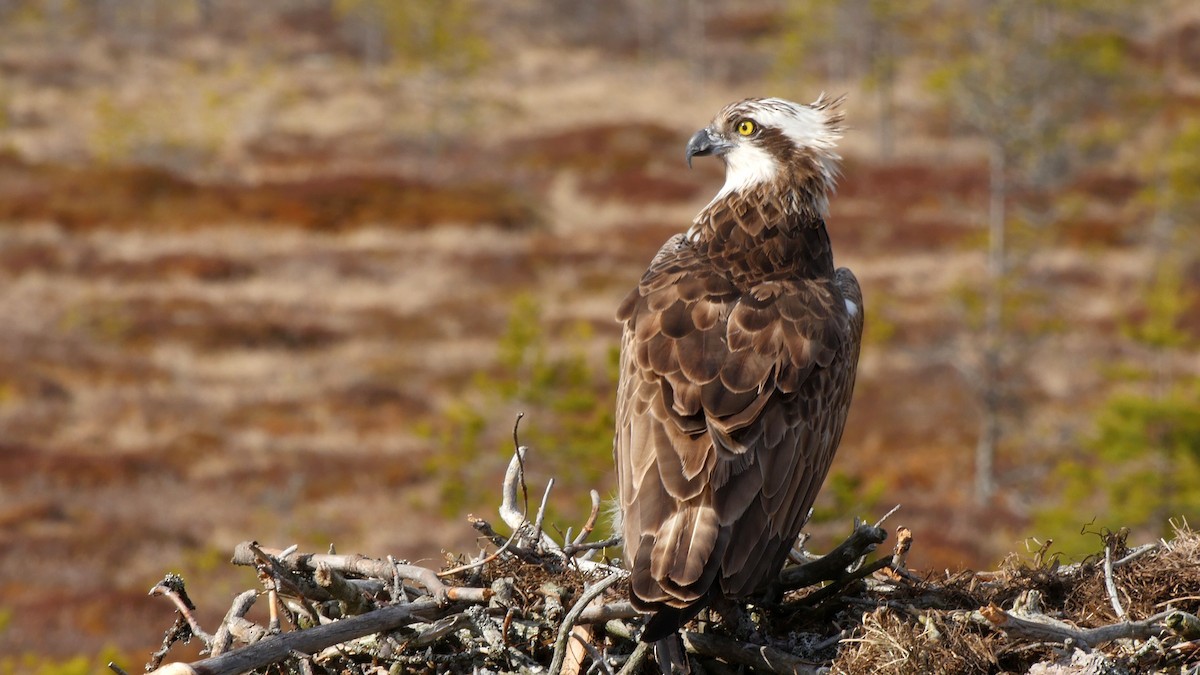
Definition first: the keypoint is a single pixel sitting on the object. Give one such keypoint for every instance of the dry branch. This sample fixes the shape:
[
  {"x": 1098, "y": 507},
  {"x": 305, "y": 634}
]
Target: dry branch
[
  {"x": 536, "y": 603},
  {"x": 833, "y": 565},
  {"x": 279, "y": 647},
  {"x": 572, "y": 616},
  {"x": 1042, "y": 628},
  {"x": 762, "y": 659}
]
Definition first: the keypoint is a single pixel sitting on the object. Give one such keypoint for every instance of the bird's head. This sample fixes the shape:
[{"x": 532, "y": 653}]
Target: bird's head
[{"x": 770, "y": 141}]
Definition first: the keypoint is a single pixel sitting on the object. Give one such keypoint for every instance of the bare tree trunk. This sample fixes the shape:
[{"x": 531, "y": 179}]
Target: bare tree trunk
[{"x": 990, "y": 384}]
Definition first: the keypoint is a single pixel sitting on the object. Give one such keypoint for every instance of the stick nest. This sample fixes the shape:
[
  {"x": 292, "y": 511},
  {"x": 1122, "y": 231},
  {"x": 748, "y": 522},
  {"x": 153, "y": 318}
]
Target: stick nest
[{"x": 532, "y": 604}]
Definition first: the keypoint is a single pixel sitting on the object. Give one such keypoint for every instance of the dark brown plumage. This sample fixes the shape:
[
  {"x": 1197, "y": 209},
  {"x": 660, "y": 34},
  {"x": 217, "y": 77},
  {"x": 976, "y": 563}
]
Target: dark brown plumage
[{"x": 738, "y": 360}]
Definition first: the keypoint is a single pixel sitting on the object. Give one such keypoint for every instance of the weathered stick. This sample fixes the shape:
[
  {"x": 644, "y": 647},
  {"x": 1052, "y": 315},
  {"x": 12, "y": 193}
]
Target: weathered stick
[
  {"x": 609, "y": 611},
  {"x": 1045, "y": 629},
  {"x": 1111, "y": 586},
  {"x": 223, "y": 639},
  {"x": 636, "y": 659},
  {"x": 172, "y": 587},
  {"x": 568, "y": 622},
  {"x": 360, "y": 565},
  {"x": 340, "y": 588},
  {"x": 571, "y": 549},
  {"x": 591, "y": 521},
  {"x": 485, "y": 528},
  {"x": 840, "y": 583},
  {"x": 833, "y": 565},
  {"x": 1186, "y": 626},
  {"x": 761, "y": 658},
  {"x": 278, "y": 647}
]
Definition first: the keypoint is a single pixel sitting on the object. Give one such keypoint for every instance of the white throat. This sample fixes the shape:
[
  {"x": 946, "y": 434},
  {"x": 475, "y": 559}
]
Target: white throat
[{"x": 746, "y": 166}]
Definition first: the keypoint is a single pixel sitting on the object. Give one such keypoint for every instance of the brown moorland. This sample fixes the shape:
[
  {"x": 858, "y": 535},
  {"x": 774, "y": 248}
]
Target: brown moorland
[{"x": 244, "y": 295}]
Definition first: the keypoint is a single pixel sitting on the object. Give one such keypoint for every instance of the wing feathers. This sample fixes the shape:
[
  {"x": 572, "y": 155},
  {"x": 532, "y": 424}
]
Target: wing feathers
[
  {"x": 661, "y": 356},
  {"x": 701, "y": 356},
  {"x": 677, "y": 320},
  {"x": 731, "y": 404},
  {"x": 684, "y": 544},
  {"x": 744, "y": 371},
  {"x": 736, "y": 495}
]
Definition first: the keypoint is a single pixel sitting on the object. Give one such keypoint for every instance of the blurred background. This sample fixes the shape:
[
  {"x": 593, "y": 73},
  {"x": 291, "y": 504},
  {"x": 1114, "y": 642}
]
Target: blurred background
[{"x": 288, "y": 270}]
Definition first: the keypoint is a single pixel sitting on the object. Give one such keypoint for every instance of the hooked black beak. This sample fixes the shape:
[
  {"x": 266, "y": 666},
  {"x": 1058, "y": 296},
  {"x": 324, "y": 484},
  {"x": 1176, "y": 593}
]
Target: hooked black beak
[{"x": 703, "y": 143}]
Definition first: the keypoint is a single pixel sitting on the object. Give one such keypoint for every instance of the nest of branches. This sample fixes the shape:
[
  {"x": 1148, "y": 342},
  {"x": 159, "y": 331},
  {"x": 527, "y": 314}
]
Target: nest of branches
[{"x": 536, "y": 604}]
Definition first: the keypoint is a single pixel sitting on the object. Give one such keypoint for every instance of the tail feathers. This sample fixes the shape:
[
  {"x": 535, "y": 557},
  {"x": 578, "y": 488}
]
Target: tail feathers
[
  {"x": 669, "y": 620},
  {"x": 671, "y": 656}
]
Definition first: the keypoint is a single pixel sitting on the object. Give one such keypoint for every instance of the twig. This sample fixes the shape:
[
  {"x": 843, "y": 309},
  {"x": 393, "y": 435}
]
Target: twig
[
  {"x": 819, "y": 595},
  {"x": 760, "y": 658},
  {"x": 438, "y": 630},
  {"x": 634, "y": 663},
  {"x": 831, "y": 641},
  {"x": 538, "y": 535},
  {"x": 833, "y": 565},
  {"x": 485, "y": 528},
  {"x": 570, "y": 549},
  {"x": 368, "y": 567},
  {"x": 346, "y": 593},
  {"x": 273, "y": 611},
  {"x": 482, "y": 561},
  {"x": 598, "y": 659},
  {"x": 579, "y": 644},
  {"x": 178, "y": 631},
  {"x": 879, "y": 523},
  {"x": 1183, "y": 624},
  {"x": 569, "y": 621},
  {"x": 1111, "y": 585},
  {"x": 398, "y": 592},
  {"x": 621, "y": 609},
  {"x": 223, "y": 639},
  {"x": 1137, "y": 553},
  {"x": 591, "y": 521},
  {"x": 304, "y": 661},
  {"x": 516, "y": 518},
  {"x": 278, "y": 647},
  {"x": 270, "y": 563},
  {"x": 1172, "y": 601},
  {"x": 172, "y": 587},
  {"x": 519, "y": 455},
  {"x": 485, "y": 626},
  {"x": 1043, "y": 628},
  {"x": 247, "y": 632},
  {"x": 514, "y": 476}
]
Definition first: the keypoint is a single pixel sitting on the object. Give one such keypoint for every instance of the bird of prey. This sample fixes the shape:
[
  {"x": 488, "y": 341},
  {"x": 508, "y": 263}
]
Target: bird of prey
[{"x": 738, "y": 358}]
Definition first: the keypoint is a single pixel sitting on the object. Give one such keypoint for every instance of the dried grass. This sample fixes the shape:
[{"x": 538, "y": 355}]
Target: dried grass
[
  {"x": 893, "y": 643},
  {"x": 937, "y": 628},
  {"x": 1169, "y": 576}
]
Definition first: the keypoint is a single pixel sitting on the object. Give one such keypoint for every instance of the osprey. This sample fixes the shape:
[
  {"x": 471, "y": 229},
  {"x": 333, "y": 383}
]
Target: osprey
[{"x": 738, "y": 360}]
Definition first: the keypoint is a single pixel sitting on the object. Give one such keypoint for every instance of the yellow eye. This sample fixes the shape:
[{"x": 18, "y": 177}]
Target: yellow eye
[{"x": 745, "y": 127}]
